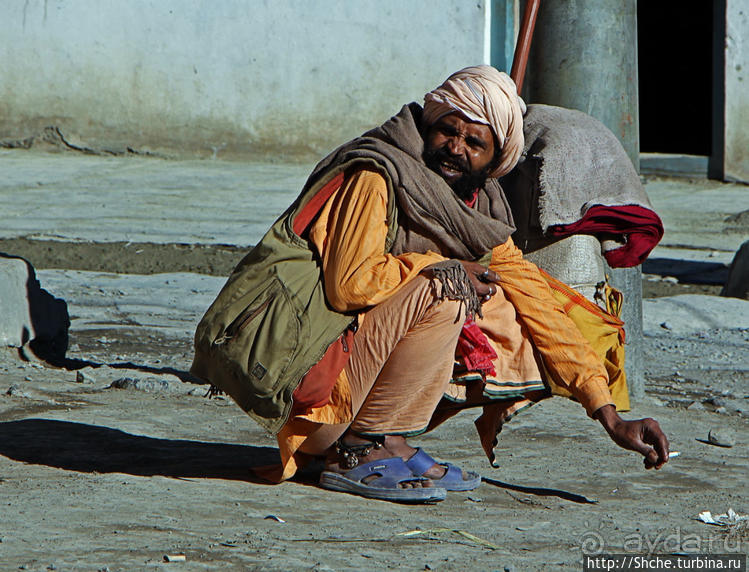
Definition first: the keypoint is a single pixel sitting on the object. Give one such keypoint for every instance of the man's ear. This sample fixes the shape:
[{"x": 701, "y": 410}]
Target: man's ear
[
  {"x": 497, "y": 153},
  {"x": 497, "y": 157}
]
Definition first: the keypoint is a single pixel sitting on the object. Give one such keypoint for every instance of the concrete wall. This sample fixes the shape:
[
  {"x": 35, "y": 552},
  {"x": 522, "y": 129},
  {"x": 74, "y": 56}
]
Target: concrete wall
[
  {"x": 229, "y": 77},
  {"x": 736, "y": 129}
]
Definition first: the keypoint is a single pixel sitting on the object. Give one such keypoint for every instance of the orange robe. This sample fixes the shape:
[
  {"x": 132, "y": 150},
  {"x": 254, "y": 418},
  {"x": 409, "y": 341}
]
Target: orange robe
[{"x": 349, "y": 234}]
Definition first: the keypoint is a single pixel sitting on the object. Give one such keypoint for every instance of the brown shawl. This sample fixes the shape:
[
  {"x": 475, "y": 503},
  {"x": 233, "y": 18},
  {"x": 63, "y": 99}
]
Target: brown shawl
[{"x": 430, "y": 215}]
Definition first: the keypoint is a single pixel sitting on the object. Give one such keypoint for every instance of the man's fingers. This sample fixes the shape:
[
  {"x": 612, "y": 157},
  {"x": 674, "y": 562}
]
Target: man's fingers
[
  {"x": 489, "y": 276},
  {"x": 643, "y": 436},
  {"x": 658, "y": 440},
  {"x": 488, "y": 293},
  {"x": 661, "y": 450},
  {"x": 651, "y": 459},
  {"x": 484, "y": 281},
  {"x": 652, "y": 444},
  {"x": 639, "y": 446}
]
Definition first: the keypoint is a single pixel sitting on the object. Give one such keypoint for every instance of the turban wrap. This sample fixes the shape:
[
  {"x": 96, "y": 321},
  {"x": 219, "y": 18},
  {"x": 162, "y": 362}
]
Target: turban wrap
[{"x": 484, "y": 95}]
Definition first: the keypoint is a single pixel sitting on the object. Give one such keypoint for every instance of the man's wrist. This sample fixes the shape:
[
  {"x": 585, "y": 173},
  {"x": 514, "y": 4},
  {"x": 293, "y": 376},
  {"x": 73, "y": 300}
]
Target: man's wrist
[{"x": 607, "y": 416}]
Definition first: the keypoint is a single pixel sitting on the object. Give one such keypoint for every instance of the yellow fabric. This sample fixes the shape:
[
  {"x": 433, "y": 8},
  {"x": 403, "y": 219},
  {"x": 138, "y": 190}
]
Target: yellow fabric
[
  {"x": 300, "y": 426},
  {"x": 485, "y": 95},
  {"x": 350, "y": 235},
  {"x": 357, "y": 271},
  {"x": 516, "y": 367},
  {"x": 568, "y": 359},
  {"x": 604, "y": 331}
]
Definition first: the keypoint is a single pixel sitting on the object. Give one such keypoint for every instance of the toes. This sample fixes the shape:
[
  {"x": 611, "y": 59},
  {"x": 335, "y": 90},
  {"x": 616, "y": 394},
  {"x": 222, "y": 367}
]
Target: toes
[{"x": 417, "y": 484}]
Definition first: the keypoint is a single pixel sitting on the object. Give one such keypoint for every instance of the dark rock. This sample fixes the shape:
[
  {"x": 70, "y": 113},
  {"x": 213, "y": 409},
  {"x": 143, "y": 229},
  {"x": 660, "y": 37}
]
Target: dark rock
[
  {"x": 148, "y": 384},
  {"x": 737, "y": 283},
  {"x": 721, "y": 437}
]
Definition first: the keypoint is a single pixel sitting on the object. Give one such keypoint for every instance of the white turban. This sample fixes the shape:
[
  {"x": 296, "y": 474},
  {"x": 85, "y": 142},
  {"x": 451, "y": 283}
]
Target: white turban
[{"x": 484, "y": 95}]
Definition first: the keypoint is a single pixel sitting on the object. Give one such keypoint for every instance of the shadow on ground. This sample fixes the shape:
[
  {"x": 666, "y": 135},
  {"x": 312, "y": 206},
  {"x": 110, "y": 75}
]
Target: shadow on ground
[
  {"x": 541, "y": 491},
  {"x": 74, "y": 364},
  {"x": 89, "y": 448},
  {"x": 687, "y": 271}
]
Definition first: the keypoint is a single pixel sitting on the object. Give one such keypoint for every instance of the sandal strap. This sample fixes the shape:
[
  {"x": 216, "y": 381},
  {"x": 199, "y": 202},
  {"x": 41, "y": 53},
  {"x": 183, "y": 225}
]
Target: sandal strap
[
  {"x": 420, "y": 462},
  {"x": 390, "y": 473}
]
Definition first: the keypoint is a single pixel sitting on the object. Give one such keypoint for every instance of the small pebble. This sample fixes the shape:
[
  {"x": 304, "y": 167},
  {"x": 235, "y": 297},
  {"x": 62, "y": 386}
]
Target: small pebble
[
  {"x": 696, "y": 406},
  {"x": 736, "y": 405},
  {"x": 148, "y": 384},
  {"x": 721, "y": 437},
  {"x": 84, "y": 377},
  {"x": 15, "y": 391}
]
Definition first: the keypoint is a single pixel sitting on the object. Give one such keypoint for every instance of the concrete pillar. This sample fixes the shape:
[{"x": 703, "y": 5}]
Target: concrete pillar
[
  {"x": 735, "y": 93},
  {"x": 30, "y": 317},
  {"x": 584, "y": 56}
]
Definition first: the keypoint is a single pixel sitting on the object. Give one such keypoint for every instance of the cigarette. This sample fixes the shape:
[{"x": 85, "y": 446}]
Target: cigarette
[{"x": 673, "y": 454}]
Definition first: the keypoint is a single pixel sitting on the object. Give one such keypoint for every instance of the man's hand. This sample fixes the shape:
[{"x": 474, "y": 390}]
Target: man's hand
[
  {"x": 484, "y": 281},
  {"x": 642, "y": 435}
]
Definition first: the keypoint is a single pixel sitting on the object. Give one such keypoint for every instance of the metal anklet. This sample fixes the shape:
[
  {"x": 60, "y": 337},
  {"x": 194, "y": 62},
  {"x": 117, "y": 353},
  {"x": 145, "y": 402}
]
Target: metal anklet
[{"x": 351, "y": 453}]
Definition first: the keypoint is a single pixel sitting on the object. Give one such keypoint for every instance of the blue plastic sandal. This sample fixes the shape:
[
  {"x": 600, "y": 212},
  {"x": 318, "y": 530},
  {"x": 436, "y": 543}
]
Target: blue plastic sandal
[
  {"x": 453, "y": 478},
  {"x": 390, "y": 473}
]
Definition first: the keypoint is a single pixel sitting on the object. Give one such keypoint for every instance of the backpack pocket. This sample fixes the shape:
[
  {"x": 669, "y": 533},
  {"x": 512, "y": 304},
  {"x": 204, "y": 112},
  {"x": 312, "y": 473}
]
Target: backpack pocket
[{"x": 259, "y": 344}]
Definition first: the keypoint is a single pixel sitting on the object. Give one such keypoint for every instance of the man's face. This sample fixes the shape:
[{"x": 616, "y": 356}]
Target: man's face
[{"x": 460, "y": 151}]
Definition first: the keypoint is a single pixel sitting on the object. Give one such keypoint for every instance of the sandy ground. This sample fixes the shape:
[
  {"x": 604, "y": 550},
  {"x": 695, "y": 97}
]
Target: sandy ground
[{"x": 95, "y": 477}]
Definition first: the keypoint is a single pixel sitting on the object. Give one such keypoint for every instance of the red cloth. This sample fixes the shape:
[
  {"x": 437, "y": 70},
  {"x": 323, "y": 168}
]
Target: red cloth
[
  {"x": 474, "y": 349},
  {"x": 471, "y": 202},
  {"x": 317, "y": 385},
  {"x": 304, "y": 218},
  {"x": 641, "y": 227},
  {"x": 473, "y": 346}
]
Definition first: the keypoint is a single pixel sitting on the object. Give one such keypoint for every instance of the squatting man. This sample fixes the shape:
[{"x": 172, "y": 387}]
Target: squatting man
[{"x": 365, "y": 315}]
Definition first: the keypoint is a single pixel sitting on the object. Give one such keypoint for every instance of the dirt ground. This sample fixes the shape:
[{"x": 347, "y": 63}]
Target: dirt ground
[{"x": 100, "y": 478}]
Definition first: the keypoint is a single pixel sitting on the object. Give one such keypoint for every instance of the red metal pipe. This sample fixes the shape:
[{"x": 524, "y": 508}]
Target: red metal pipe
[{"x": 523, "y": 47}]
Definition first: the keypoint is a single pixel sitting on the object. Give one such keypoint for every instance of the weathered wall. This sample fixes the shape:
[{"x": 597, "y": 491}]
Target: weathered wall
[
  {"x": 229, "y": 77},
  {"x": 736, "y": 147}
]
